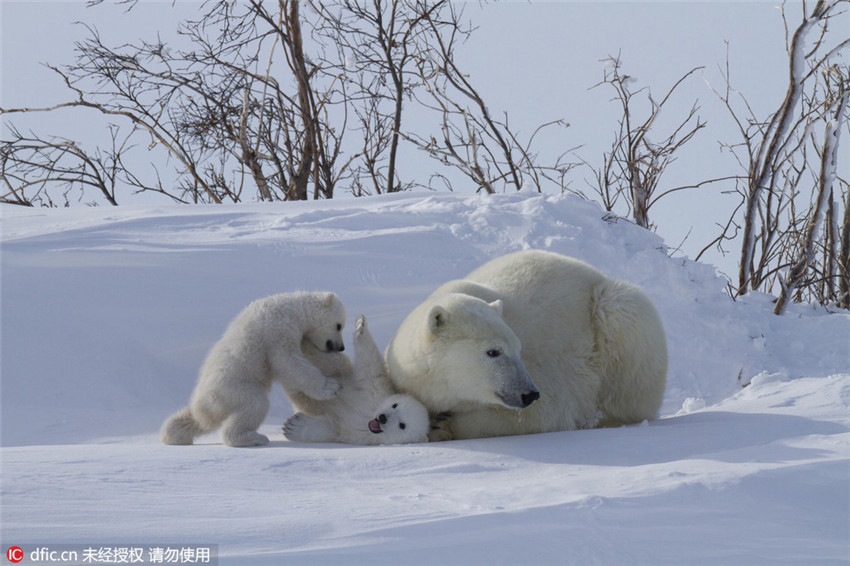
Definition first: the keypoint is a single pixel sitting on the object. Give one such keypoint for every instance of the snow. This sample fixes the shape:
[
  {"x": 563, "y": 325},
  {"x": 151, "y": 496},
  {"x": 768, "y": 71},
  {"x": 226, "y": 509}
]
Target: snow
[{"x": 107, "y": 314}]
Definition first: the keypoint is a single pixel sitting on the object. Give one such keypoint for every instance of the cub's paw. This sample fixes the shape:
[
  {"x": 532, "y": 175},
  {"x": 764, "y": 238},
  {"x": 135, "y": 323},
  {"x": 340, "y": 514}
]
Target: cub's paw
[
  {"x": 329, "y": 389},
  {"x": 245, "y": 439},
  {"x": 360, "y": 326},
  {"x": 296, "y": 426},
  {"x": 304, "y": 428}
]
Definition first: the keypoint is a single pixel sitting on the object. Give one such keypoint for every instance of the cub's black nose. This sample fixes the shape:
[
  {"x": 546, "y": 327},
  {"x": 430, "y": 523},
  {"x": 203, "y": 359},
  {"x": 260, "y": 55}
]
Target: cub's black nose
[
  {"x": 382, "y": 418},
  {"x": 529, "y": 398}
]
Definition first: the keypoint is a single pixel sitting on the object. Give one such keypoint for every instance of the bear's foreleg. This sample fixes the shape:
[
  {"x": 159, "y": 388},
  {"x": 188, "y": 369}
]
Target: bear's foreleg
[
  {"x": 441, "y": 428},
  {"x": 297, "y": 375}
]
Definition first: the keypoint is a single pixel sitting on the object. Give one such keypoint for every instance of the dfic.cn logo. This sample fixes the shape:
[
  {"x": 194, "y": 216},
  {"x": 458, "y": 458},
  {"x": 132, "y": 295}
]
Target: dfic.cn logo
[{"x": 15, "y": 554}]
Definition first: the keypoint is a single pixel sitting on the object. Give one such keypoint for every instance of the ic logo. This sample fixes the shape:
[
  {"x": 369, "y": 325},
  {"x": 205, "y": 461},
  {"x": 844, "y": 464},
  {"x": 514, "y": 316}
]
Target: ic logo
[{"x": 15, "y": 554}]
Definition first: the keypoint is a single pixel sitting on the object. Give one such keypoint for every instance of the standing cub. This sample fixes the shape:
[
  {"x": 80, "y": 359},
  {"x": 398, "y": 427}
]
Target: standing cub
[
  {"x": 366, "y": 411},
  {"x": 279, "y": 338}
]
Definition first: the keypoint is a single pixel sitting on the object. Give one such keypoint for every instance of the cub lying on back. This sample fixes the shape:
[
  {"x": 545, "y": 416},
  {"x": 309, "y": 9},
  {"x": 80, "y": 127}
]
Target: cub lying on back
[
  {"x": 366, "y": 410},
  {"x": 279, "y": 338}
]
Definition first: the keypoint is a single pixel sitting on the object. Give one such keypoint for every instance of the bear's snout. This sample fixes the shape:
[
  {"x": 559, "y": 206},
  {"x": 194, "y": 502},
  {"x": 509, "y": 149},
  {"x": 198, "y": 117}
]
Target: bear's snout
[
  {"x": 521, "y": 390},
  {"x": 516, "y": 400},
  {"x": 334, "y": 347},
  {"x": 529, "y": 398}
]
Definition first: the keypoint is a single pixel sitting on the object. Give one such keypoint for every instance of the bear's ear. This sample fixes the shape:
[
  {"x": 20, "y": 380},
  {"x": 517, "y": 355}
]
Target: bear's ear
[
  {"x": 329, "y": 300},
  {"x": 497, "y": 306},
  {"x": 437, "y": 318}
]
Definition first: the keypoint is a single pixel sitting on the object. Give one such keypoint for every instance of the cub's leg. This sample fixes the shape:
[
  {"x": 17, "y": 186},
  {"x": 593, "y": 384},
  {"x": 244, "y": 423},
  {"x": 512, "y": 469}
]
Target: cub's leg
[
  {"x": 370, "y": 370},
  {"x": 297, "y": 375},
  {"x": 331, "y": 364},
  {"x": 240, "y": 428}
]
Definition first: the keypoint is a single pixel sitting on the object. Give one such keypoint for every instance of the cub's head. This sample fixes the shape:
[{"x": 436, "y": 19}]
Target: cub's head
[
  {"x": 472, "y": 355},
  {"x": 401, "y": 419},
  {"x": 328, "y": 320}
]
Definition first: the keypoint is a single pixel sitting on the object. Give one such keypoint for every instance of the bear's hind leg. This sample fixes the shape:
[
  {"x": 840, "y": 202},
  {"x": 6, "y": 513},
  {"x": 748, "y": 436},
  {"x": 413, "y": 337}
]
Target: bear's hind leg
[
  {"x": 240, "y": 428},
  {"x": 631, "y": 354},
  {"x": 306, "y": 428},
  {"x": 370, "y": 370}
]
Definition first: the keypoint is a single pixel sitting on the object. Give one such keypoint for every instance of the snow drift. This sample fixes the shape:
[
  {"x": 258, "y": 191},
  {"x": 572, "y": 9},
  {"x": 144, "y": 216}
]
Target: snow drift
[{"x": 108, "y": 313}]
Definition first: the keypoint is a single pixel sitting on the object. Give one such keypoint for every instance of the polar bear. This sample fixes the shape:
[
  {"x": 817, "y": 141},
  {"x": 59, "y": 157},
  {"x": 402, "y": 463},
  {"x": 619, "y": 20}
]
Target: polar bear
[
  {"x": 292, "y": 338},
  {"x": 366, "y": 410},
  {"x": 532, "y": 342}
]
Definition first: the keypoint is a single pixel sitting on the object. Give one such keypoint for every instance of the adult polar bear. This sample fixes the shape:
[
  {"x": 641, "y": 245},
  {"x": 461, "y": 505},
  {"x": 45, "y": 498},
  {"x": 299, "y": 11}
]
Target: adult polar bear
[{"x": 531, "y": 325}]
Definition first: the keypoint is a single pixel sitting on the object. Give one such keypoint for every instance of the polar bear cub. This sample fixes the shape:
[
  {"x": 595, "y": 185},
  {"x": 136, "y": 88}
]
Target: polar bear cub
[
  {"x": 366, "y": 411},
  {"x": 279, "y": 338}
]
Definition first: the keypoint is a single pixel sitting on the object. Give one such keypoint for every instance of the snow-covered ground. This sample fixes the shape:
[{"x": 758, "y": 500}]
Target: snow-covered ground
[{"x": 107, "y": 314}]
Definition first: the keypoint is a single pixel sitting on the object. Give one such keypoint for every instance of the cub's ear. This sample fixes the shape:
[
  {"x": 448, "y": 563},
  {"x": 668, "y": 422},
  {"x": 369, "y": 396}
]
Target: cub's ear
[
  {"x": 497, "y": 306},
  {"x": 437, "y": 318},
  {"x": 329, "y": 300}
]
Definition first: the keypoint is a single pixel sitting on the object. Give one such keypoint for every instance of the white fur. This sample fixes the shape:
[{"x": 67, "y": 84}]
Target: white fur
[
  {"x": 292, "y": 338},
  {"x": 593, "y": 347},
  {"x": 366, "y": 411}
]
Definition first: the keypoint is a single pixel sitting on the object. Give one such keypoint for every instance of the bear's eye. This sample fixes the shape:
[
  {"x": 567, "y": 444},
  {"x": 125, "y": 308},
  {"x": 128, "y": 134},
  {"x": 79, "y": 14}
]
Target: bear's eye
[
  {"x": 338, "y": 327},
  {"x": 402, "y": 426},
  {"x": 494, "y": 353},
  {"x": 395, "y": 405}
]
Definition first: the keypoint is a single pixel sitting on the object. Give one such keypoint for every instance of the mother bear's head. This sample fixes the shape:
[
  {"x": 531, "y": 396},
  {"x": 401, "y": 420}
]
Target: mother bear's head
[{"x": 457, "y": 349}]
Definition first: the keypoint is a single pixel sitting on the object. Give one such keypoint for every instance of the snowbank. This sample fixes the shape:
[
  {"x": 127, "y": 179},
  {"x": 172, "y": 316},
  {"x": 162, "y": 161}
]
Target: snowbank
[{"x": 107, "y": 314}]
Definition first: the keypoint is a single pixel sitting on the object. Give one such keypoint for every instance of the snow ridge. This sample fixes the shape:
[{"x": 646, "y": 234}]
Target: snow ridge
[{"x": 107, "y": 315}]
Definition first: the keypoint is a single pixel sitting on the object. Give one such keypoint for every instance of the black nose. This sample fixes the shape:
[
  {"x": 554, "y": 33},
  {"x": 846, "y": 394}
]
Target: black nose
[
  {"x": 529, "y": 398},
  {"x": 382, "y": 418}
]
